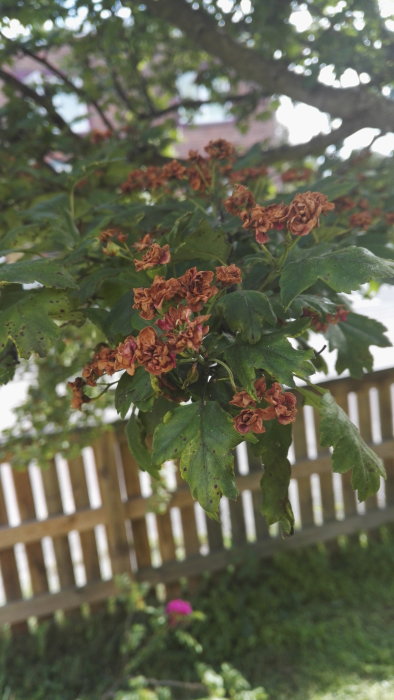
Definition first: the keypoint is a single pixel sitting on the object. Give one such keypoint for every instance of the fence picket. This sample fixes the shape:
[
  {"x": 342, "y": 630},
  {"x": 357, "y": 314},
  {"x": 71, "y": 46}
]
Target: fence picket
[
  {"x": 34, "y": 552},
  {"x": 364, "y": 417},
  {"x": 87, "y": 538},
  {"x": 9, "y": 569},
  {"x": 107, "y": 471},
  {"x": 303, "y": 482},
  {"x": 139, "y": 527},
  {"x": 61, "y": 544}
]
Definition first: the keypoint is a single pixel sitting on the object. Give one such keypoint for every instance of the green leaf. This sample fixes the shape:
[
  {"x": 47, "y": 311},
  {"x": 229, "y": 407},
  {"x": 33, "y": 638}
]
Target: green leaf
[
  {"x": 204, "y": 242},
  {"x": 343, "y": 270},
  {"x": 135, "y": 434},
  {"x": 277, "y": 357},
  {"x": 312, "y": 301},
  {"x": 50, "y": 273},
  {"x": 352, "y": 339},
  {"x": 136, "y": 390},
  {"x": 272, "y": 447},
  {"x": 246, "y": 312},
  {"x": 203, "y": 437},
  {"x": 28, "y": 327},
  {"x": 26, "y": 318},
  {"x": 8, "y": 363},
  {"x": 350, "y": 451}
]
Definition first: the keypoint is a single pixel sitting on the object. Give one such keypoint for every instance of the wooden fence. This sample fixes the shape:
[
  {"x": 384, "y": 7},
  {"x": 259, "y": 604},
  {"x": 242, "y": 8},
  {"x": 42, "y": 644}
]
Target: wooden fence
[{"x": 68, "y": 531}]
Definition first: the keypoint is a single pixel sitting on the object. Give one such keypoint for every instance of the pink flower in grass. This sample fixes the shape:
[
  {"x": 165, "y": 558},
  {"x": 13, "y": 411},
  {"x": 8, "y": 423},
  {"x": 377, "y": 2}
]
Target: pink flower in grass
[{"x": 177, "y": 609}]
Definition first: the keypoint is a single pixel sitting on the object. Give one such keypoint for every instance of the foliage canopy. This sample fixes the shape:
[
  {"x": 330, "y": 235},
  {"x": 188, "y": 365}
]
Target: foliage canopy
[{"x": 199, "y": 282}]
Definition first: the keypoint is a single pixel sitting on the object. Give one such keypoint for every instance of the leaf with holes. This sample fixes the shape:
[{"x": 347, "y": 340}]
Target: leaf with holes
[
  {"x": 202, "y": 437},
  {"x": 50, "y": 273},
  {"x": 26, "y": 318}
]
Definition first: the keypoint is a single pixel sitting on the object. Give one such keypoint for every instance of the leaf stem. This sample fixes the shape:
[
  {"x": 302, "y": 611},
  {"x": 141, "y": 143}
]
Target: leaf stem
[{"x": 229, "y": 372}]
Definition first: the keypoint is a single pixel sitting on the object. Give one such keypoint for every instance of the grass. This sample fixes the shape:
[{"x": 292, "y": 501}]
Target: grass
[{"x": 315, "y": 624}]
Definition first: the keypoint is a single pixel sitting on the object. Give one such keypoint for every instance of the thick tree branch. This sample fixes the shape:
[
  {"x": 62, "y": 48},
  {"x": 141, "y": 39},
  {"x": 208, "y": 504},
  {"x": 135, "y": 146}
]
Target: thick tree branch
[
  {"x": 313, "y": 147},
  {"x": 40, "y": 100},
  {"x": 274, "y": 76}
]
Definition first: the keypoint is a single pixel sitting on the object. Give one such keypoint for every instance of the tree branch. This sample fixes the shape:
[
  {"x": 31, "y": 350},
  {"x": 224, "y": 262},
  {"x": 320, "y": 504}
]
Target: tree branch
[
  {"x": 40, "y": 100},
  {"x": 274, "y": 76},
  {"x": 79, "y": 91},
  {"x": 195, "y": 104}
]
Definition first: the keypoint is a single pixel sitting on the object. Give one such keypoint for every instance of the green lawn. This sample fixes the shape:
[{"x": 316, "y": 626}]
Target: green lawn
[{"x": 310, "y": 625}]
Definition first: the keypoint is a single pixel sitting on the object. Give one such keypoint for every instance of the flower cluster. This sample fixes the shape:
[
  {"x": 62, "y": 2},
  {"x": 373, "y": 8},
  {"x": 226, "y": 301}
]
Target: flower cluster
[
  {"x": 176, "y": 330},
  {"x": 110, "y": 238},
  {"x": 274, "y": 403},
  {"x": 299, "y": 217},
  {"x": 320, "y": 324},
  {"x": 240, "y": 201},
  {"x": 154, "y": 256},
  {"x": 359, "y": 219},
  {"x": 295, "y": 174},
  {"x": 197, "y": 171},
  {"x": 78, "y": 395},
  {"x": 245, "y": 174},
  {"x": 195, "y": 287}
]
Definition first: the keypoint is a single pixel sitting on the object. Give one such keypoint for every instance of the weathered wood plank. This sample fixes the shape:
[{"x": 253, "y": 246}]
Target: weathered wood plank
[
  {"x": 139, "y": 526},
  {"x": 54, "y": 526},
  {"x": 107, "y": 470},
  {"x": 303, "y": 482},
  {"x": 61, "y": 544},
  {"x": 81, "y": 500},
  {"x": 44, "y": 605},
  {"x": 34, "y": 552},
  {"x": 8, "y": 565}
]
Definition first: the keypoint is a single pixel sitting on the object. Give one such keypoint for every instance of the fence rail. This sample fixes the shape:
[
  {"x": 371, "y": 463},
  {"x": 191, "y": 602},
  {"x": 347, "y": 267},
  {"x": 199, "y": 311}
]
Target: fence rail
[{"x": 67, "y": 531}]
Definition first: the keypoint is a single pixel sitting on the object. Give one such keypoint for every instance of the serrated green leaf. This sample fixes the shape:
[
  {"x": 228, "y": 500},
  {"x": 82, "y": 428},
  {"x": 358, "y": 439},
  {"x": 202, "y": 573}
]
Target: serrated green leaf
[
  {"x": 8, "y": 363},
  {"x": 350, "y": 451},
  {"x": 352, "y": 340},
  {"x": 272, "y": 447},
  {"x": 168, "y": 443},
  {"x": 204, "y": 242},
  {"x": 277, "y": 357},
  {"x": 134, "y": 390},
  {"x": 50, "y": 273},
  {"x": 26, "y": 318},
  {"x": 135, "y": 434},
  {"x": 312, "y": 301},
  {"x": 203, "y": 437},
  {"x": 247, "y": 312},
  {"x": 343, "y": 270},
  {"x": 28, "y": 327}
]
